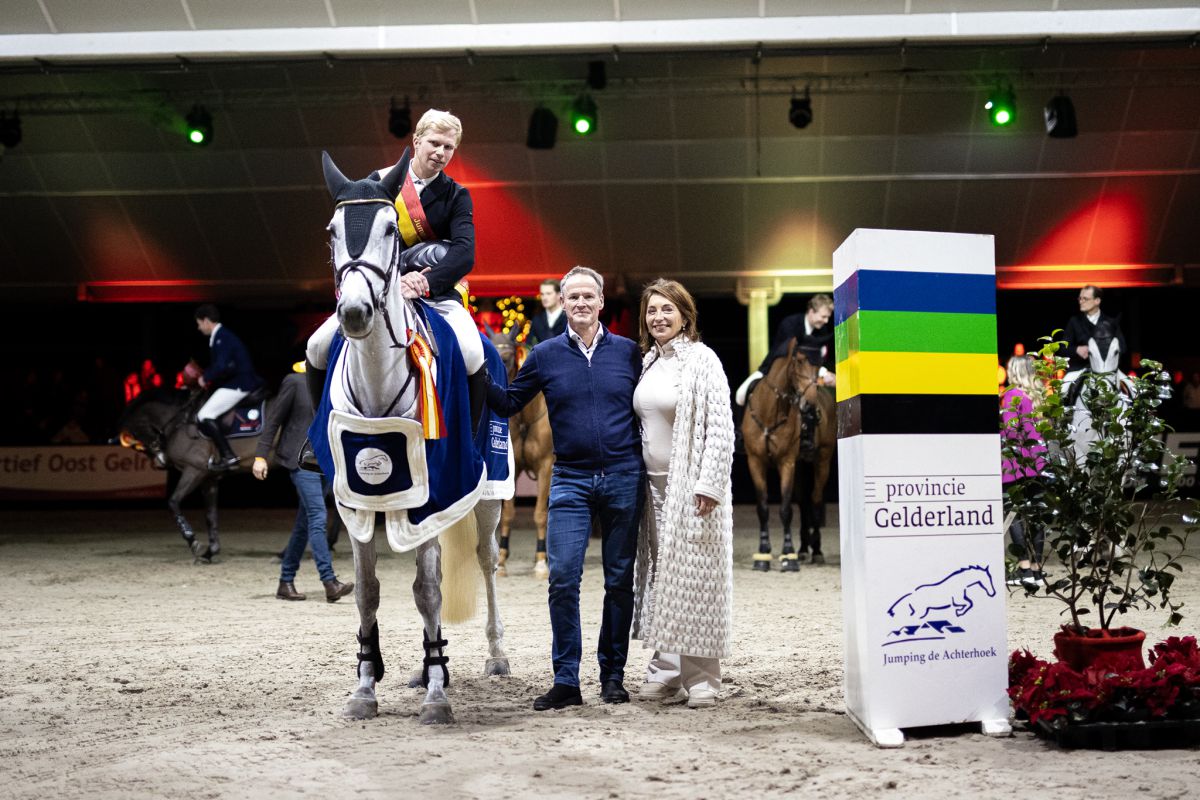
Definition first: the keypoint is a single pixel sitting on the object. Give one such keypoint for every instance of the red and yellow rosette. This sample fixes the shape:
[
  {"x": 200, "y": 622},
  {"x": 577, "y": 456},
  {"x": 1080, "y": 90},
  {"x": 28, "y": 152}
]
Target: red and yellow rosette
[{"x": 428, "y": 406}]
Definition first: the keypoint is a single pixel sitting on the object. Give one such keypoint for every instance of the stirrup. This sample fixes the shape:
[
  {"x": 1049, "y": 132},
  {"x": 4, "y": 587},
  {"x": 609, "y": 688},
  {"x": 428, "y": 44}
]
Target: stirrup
[
  {"x": 434, "y": 661},
  {"x": 375, "y": 657}
]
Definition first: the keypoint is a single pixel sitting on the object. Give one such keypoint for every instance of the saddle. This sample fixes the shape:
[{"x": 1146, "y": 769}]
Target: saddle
[{"x": 246, "y": 418}]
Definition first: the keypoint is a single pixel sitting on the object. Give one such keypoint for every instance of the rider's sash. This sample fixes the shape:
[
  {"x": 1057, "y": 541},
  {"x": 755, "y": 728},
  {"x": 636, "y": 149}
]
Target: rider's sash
[
  {"x": 430, "y": 408},
  {"x": 414, "y": 227}
]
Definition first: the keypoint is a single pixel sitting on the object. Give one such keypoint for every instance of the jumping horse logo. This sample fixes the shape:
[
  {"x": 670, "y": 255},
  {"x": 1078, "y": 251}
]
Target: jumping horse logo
[{"x": 951, "y": 592}]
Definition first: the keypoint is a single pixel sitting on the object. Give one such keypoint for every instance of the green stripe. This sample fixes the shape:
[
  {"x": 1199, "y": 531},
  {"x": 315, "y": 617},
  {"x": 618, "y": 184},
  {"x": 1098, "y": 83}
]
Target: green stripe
[{"x": 915, "y": 332}]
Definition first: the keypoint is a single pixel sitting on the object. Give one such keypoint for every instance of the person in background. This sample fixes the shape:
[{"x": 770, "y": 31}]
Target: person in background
[
  {"x": 289, "y": 416},
  {"x": 684, "y": 585},
  {"x": 550, "y": 321},
  {"x": 814, "y": 337},
  {"x": 1018, "y": 414},
  {"x": 1082, "y": 326},
  {"x": 231, "y": 377}
]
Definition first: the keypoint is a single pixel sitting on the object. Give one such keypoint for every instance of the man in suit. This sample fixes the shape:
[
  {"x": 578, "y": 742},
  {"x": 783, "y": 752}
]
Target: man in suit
[
  {"x": 289, "y": 415},
  {"x": 813, "y": 335},
  {"x": 431, "y": 206},
  {"x": 231, "y": 376},
  {"x": 588, "y": 378},
  {"x": 1082, "y": 326},
  {"x": 550, "y": 321}
]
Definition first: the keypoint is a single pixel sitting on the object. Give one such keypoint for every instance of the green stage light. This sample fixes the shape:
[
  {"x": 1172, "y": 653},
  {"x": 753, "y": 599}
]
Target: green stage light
[
  {"x": 1001, "y": 106},
  {"x": 583, "y": 115},
  {"x": 199, "y": 126}
]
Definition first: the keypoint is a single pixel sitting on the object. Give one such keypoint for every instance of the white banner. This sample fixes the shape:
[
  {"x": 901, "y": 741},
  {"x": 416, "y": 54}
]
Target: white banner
[{"x": 78, "y": 472}]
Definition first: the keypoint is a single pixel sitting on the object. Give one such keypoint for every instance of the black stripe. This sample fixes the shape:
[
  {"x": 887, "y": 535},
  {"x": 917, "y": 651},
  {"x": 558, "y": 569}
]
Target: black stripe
[{"x": 918, "y": 413}]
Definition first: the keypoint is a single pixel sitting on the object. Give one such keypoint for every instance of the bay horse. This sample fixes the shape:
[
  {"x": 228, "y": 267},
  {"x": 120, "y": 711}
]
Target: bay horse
[
  {"x": 771, "y": 432},
  {"x": 162, "y": 424},
  {"x": 374, "y": 381},
  {"x": 533, "y": 453}
]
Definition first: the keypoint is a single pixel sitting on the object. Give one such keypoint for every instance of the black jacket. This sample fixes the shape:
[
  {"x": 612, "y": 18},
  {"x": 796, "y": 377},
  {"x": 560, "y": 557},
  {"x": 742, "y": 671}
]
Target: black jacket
[
  {"x": 1079, "y": 330},
  {"x": 542, "y": 330},
  {"x": 231, "y": 366},
  {"x": 291, "y": 410},
  {"x": 817, "y": 346}
]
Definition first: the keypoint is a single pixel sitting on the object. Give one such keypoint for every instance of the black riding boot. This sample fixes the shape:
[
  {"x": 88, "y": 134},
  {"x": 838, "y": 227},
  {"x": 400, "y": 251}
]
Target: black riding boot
[
  {"x": 315, "y": 380},
  {"x": 477, "y": 394},
  {"x": 226, "y": 459}
]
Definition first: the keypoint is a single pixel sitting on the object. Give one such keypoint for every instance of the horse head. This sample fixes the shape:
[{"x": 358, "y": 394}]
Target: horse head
[
  {"x": 985, "y": 580},
  {"x": 144, "y": 424},
  {"x": 1104, "y": 349},
  {"x": 364, "y": 243},
  {"x": 802, "y": 375},
  {"x": 506, "y": 346}
]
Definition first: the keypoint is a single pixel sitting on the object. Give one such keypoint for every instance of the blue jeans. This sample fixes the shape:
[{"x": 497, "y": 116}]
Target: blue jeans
[
  {"x": 309, "y": 528},
  {"x": 615, "y": 498}
]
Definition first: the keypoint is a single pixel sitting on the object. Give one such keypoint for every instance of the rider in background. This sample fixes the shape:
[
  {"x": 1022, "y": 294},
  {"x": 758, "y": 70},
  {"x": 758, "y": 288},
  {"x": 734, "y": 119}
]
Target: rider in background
[
  {"x": 814, "y": 337},
  {"x": 430, "y": 206},
  {"x": 1082, "y": 327},
  {"x": 230, "y": 375}
]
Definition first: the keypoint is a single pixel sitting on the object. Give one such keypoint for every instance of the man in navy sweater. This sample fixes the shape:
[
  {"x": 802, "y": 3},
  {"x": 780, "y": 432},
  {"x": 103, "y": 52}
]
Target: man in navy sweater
[{"x": 588, "y": 376}]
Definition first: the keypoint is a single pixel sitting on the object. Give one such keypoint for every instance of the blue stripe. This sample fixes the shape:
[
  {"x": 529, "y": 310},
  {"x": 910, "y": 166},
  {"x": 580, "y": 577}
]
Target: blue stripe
[{"x": 886, "y": 290}]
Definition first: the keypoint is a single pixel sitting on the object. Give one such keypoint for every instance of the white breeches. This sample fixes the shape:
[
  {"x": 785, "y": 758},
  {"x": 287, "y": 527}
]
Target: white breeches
[
  {"x": 451, "y": 311},
  {"x": 222, "y": 400}
]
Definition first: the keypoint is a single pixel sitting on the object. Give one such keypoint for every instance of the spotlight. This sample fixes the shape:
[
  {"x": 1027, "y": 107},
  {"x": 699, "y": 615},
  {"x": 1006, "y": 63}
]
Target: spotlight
[
  {"x": 596, "y": 77},
  {"x": 801, "y": 113},
  {"x": 583, "y": 115},
  {"x": 399, "y": 119},
  {"x": 10, "y": 130},
  {"x": 199, "y": 126},
  {"x": 1060, "y": 118},
  {"x": 1001, "y": 106},
  {"x": 543, "y": 129}
]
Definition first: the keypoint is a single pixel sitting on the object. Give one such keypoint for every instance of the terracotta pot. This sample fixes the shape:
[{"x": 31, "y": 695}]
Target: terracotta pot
[{"x": 1119, "y": 648}]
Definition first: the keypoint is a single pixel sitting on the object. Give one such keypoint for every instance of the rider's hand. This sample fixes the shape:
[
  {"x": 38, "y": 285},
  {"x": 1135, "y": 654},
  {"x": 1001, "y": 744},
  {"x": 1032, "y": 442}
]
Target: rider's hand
[
  {"x": 704, "y": 505},
  {"x": 203, "y": 383},
  {"x": 829, "y": 379},
  {"x": 1082, "y": 350},
  {"x": 414, "y": 284},
  {"x": 260, "y": 467}
]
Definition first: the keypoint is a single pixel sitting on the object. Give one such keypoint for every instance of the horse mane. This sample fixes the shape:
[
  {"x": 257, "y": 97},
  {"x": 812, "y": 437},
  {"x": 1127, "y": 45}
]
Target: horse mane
[{"x": 159, "y": 394}]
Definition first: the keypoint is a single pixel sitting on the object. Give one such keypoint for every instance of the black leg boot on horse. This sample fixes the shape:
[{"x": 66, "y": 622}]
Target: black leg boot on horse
[
  {"x": 226, "y": 459},
  {"x": 477, "y": 395}
]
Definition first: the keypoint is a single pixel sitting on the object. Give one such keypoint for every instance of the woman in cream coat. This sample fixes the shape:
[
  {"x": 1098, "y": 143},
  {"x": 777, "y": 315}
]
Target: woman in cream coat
[{"x": 684, "y": 583}]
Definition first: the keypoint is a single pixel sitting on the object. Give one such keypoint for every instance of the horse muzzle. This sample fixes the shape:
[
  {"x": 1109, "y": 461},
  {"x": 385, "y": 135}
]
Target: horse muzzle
[{"x": 356, "y": 319}]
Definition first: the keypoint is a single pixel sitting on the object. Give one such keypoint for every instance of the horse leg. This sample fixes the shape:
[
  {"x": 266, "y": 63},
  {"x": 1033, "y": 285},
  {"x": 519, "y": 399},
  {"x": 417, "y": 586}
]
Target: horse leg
[
  {"x": 362, "y": 703},
  {"x": 189, "y": 479},
  {"x": 541, "y": 514},
  {"x": 820, "y": 477},
  {"x": 487, "y": 515},
  {"x": 508, "y": 511},
  {"x": 758, "y": 474},
  {"x": 803, "y": 489},
  {"x": 435, "y": 709},
  {"x": 787, "y": 475},
  {"x": 210, "y": 519}
]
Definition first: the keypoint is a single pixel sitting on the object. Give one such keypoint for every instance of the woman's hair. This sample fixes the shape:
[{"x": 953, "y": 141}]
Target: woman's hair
[
  {"x": 682, "y": 300},
  {"x": 1023, "y": 375}
]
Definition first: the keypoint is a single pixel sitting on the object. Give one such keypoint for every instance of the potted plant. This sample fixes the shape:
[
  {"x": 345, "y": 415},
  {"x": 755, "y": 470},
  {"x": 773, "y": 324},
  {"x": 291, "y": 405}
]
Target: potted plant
[{"x": 1110, "y": 507}]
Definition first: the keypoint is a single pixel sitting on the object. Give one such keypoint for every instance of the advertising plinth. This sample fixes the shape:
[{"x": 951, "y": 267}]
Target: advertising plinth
[{"x": 919, "y": 482}]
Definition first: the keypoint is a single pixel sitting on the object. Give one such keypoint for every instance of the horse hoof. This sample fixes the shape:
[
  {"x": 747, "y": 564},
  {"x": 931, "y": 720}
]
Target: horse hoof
[
  {"x": 789, "y": 565},
  {"x": 496, "y": 667},
  {"x": 541, "y": 571},
  {"x": 360, "y": 708},
  {"x": 762, "y": 564},
  {"x": 818, "y": 558},
  {"x": 436, "y": 714}
]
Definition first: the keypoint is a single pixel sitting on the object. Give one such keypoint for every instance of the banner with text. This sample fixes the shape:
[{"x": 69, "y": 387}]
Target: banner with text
[{"x": 78, "y": 472}]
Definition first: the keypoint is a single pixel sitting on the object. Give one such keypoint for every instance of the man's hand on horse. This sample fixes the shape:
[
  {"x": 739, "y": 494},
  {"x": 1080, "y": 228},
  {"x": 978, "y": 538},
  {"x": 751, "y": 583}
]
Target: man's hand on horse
[
  {"x": 704, "y": 505},
  {"x": 414, "y": 284}
]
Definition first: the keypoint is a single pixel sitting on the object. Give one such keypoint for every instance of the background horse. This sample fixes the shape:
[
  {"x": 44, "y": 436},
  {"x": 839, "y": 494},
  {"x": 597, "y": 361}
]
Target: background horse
[
  {"x": 162, "y": 424},
  {"x": 373, "y": 378},
  {"x": 818, "y": 442},
  {"x": 533, "y": 452},
  {"x": 771, "y": 432}
]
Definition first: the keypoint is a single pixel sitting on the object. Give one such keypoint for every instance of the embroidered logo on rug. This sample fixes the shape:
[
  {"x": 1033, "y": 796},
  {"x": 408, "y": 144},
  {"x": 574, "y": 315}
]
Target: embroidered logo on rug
[{"x": 373, "y": 465}]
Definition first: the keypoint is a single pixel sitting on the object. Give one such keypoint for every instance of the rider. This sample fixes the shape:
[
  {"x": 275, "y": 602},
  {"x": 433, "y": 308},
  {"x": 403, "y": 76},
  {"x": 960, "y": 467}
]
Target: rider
[
  {"x": 1082, "y": 327},
  {"x": 232, "y": 375},
  {"x": 430, "y": 206},
  {"x": 814, "y": 337}
]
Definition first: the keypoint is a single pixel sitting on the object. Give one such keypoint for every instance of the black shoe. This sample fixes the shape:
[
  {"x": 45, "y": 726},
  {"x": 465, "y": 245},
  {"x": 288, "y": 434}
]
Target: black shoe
[
  {"x": 614, "y": 692},
  {"x": 559, "y": 696}
]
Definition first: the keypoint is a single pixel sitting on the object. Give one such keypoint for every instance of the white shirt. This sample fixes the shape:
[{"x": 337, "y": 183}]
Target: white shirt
[
  {"x": 212, "y": 337},
  {"x": 654, "y": 402},
  {"x": 419, "y": 183},
  {"x": 552, "y": 316},
  {"x": 1094, "y": 317},
  {"x": 583, "y": 348}
]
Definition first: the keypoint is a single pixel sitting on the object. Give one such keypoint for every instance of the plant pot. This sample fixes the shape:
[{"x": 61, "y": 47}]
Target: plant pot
[{"x": 1118, "y": 648}]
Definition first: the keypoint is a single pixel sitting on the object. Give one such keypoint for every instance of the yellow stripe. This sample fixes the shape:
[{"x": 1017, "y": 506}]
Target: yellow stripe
[
  {"x": 408, "y": 231},
  {"x": 916, "y": 373}
]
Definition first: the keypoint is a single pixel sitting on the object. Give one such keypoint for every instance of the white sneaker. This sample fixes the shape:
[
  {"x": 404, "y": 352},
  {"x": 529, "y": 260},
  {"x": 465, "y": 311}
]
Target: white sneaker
[
  {"x": 740, "y": 395},
  {"x": 701, "y": 698},
  {"x": 655, "y": 690}
]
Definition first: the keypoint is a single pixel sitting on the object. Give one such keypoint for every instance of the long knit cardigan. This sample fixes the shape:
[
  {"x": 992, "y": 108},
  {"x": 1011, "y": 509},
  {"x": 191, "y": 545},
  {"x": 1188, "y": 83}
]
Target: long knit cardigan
[{"x": 684, "y": 595}]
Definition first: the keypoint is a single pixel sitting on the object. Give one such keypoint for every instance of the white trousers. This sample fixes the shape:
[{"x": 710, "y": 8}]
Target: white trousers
[
  {"x": 451, "y": 311},
  {"x": 673, "y": 669},
  {"x": 222, "y": 400}
]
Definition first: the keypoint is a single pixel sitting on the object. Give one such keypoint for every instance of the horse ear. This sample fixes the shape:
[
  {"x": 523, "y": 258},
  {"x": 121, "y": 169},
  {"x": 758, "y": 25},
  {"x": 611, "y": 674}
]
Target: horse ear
[
  {"x": 395, "y": 177},
  {"x": 335, "y": 181}
]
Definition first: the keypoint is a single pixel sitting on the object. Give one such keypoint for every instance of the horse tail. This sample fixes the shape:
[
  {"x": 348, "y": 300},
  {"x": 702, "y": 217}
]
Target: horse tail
[{"x": 460, "y": 570}]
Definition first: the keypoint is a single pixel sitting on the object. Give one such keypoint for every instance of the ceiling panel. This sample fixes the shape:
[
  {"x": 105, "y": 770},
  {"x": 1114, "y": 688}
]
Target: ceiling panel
[
  {"x": 647, "y": 231},
  {"x": 688, "y": 9},
  {"x": 790, "y": 8},
  {"x": 498, "y": 11},
  {"x": 41, "y": 244},
  {"x": 704, "y": 243},
  {"x": 224, "y": 14},
  {"x": 234, "y": 225},
  {"x": 105, "y": 238},
  {"x": 22, "y": 16},
  {"x": 1154, "y": 150},
  {"x": 73, "y": 16},
  {"x": 939, "y": 154},
  {"x": 353, "y": 13},
  {"x": 867, "y": 155},
  {"x": 922, "y": 205},
  {"x": 842, "y": 207}
]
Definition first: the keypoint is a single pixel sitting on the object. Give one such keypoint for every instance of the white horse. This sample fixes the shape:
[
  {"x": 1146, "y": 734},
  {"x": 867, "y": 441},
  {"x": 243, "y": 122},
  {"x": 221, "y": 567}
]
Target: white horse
[{"x": 373, "y": 379}]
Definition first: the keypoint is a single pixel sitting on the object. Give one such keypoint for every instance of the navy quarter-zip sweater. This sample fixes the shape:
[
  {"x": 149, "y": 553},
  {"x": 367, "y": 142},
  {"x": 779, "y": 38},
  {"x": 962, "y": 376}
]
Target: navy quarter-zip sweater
[{"x": 590, "y": 405}]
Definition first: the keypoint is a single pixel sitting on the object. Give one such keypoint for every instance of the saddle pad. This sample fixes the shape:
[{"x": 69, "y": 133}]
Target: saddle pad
[
  {"x": 380, "y": 462},
  {"x": 243, "y": 421}
]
